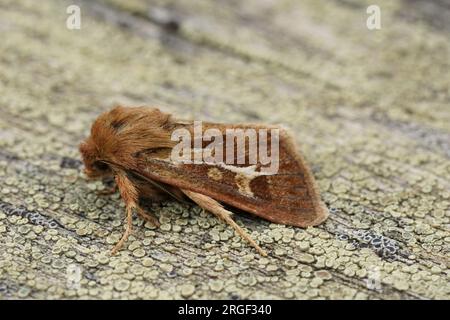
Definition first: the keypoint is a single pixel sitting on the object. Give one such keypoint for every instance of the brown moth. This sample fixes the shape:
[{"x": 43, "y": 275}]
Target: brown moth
[{"x": 136, "y": 146}]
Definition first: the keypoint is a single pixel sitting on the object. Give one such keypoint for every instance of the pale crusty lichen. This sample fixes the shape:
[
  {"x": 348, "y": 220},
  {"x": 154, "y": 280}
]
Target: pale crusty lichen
[{"x": 376, "y": 135}]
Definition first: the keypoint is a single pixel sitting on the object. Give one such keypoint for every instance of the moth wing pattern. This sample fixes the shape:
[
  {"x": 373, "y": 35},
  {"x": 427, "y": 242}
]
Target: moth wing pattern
[{"x": 288, "y": 197}]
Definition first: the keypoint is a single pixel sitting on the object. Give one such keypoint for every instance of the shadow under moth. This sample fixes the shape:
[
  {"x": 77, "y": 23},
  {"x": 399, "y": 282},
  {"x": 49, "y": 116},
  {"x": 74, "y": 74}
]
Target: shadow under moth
[{"x": 141, "y": 148}]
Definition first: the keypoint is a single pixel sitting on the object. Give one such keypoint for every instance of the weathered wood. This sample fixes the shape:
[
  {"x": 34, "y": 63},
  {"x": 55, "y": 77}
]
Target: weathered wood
[{"x": 370, "y": 110}]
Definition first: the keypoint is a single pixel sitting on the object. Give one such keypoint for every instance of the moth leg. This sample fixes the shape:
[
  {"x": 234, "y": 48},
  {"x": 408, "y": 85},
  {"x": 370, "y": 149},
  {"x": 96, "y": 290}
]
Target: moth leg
[
  {"x": 217, "y": 209},
  {"x": 148, "y": 216},
  {"x": 129, "y": 195},
  {"x": 108, "y": 191},
  {"x": 127, "y": 232}
]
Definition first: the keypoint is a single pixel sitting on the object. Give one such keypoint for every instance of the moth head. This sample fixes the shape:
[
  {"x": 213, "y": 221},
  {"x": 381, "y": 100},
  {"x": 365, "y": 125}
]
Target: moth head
[
  {"x": 94, "y": 166},
  {"x": 119, "y": 134}
]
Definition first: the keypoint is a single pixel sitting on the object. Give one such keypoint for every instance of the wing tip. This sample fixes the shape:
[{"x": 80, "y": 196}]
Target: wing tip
[
  {"x": 322, "y": 214},
  {"x": 315, "y": 218}
]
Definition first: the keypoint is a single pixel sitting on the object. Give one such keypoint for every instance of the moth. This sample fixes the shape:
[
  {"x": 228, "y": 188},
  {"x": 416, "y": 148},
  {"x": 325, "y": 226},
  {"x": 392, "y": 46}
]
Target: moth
[{"x": 135, "y": 146}]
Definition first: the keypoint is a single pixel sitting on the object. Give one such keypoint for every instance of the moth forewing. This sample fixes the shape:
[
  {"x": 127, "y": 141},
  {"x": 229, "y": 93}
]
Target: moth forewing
[{"x": 288, "y": 196}]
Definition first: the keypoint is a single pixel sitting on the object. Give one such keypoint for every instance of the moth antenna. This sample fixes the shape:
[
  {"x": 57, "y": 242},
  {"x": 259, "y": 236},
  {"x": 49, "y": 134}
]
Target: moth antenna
[{"x": 207, "y": 203}]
